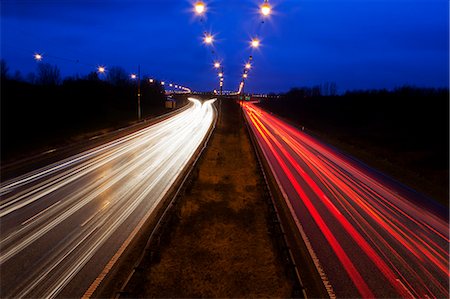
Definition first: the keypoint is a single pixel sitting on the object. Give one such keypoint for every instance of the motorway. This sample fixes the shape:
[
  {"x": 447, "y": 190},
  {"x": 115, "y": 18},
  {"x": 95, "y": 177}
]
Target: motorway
[
  {"x": 366, "y": 238},
  {"x": 63, "y": 224}
]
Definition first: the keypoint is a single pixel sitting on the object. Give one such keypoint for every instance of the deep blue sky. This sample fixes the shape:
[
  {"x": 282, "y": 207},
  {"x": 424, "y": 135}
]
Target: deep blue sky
[{"x": 358, "y": 44}]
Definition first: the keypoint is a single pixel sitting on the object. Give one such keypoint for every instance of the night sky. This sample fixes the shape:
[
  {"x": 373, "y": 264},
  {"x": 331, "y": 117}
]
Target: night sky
[{"x": 358, "y": 44}]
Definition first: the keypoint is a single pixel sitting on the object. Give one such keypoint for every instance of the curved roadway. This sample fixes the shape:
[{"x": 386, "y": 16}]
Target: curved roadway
[{"x": 62, "y": 224}]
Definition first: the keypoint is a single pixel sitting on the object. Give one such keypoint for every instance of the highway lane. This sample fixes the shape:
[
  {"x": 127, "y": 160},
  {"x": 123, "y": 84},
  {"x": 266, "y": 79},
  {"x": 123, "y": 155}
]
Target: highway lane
[
  {"x": 62, "y": 224},
  {"x": 366, "y": 238}
]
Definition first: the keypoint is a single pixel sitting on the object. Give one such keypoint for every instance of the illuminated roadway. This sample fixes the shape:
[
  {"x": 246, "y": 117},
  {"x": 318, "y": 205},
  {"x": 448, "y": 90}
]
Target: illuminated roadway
[
  {"x": 62, "y": 224},
  {"x": 365, "y": 238}
]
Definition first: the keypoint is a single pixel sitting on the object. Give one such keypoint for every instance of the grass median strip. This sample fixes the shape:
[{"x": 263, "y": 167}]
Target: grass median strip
[{"x": 220, "y": 246}]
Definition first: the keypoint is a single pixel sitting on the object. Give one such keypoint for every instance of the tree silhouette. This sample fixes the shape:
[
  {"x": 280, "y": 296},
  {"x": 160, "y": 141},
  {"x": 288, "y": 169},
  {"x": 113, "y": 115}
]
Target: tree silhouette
[
  {"x": 48, "y": 74},
  {"x": 3, "y": 69},
  {"x": 333, "y": 89},
  {"x": 116, "y": 75},
  {"x": 92, "y": 76}
]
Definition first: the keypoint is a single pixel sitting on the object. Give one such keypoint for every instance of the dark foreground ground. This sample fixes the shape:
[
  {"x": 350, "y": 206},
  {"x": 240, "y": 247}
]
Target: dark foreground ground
[{"x": 221, "y": 246}]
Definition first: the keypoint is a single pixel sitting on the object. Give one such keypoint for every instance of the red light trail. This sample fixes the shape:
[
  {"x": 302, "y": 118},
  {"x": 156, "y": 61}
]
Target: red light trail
[{"x": 370, "y": 240}]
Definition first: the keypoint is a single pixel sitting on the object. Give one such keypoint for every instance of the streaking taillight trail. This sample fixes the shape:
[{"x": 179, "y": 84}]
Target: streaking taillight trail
[{"x": 370, "y": 240}]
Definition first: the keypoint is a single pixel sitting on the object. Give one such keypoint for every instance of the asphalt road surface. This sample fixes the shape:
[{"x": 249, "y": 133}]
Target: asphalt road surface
[
  {"x": 367, "y": 238},
  {"x": 63, "y": 224}
]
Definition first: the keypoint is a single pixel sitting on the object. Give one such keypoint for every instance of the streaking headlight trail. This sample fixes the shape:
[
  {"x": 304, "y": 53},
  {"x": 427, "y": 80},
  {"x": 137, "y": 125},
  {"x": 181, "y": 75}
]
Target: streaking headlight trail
[{"x": 62, "y": 224}]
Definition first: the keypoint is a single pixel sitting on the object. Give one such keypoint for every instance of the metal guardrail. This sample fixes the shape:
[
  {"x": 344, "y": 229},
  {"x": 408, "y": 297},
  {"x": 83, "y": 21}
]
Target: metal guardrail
[
  {"x": 157, "y": 229},
  {"x": 299, "y": 289}
]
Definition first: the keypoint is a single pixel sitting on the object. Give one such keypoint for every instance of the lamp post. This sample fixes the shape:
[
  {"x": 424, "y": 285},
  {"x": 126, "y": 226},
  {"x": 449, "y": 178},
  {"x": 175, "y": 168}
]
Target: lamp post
[
  {"x": 208, "y": 39},
  {"x": 265, "y": 8},
  {"x": 139, "y": 92},
  {"x": 199, "y": 7},
  {"x": 101, "y": 69},
  {"x": 254, "y": 43},
  {"x": 221, "y": 83},
  {"x": 38, "y": 57},
  {"x": 138, "y": 77}
]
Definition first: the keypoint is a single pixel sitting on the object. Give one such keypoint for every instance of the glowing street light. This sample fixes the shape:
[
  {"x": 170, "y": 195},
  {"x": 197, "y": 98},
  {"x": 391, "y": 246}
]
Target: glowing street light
[
  {"x": 221, "y": 75},
  {"x": 38, "y": 57},
  {"x": 101, "y": 69},
  {"x": 199, "y": 7},
  {"x": 216, "y": 65},
  {"x": 265, "y": 8},
  {"x": 162, "y": 82},
  {"x": 244, "y": 75},
  {"x": 150, "y": 80},
  {"x": 248, "y": 66},
  {"x": 208, "y": 39},
  {"x": 255, "y": 43},
  {"x": 133, "y": 76}
]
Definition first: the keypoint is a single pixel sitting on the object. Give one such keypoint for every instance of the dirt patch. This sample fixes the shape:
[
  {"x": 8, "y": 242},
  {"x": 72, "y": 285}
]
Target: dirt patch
[{"x": 220, "y": 245}]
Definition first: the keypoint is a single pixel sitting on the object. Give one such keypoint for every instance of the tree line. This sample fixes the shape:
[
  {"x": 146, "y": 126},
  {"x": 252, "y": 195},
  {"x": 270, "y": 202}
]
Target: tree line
[
  {"x": 45, "y": 109},
  {"x": 408, "y": 115},
  {"x": 407, "y": 126}
]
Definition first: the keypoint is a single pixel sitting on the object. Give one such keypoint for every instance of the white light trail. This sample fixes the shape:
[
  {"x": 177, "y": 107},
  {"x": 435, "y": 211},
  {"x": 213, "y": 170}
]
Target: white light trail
[{"x": 60, "y": 217}]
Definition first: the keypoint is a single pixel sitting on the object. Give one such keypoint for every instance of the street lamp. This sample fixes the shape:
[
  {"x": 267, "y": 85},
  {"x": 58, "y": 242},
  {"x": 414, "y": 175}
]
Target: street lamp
[
  {"x": 220, "y": 74},
  {"x": 216, "y": 65},
  {"x": 101, "y": 69},
  {"x": 244, "y": 75},
  {"x": 199, "y": 7},
  {"x": 255, "y": 43},
  {"x": 138, "y": 77},
  {"x": 208, "y": 39},
  {"x": 265, "y": 8},
  {"x": 248, "y": 66},
  {"x": 150, "y": 80},
  {"x": 37, "y": 57},
  {"x": 162, "y": 82}
]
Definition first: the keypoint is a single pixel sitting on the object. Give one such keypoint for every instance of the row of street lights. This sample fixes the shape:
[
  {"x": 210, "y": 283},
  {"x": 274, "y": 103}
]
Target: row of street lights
[
  {"x": 102, "y": 70},
  {"x": 265, "y": 10},
  {"x": 208, "y": 39},
  {"x": 38, "y": 57}
]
